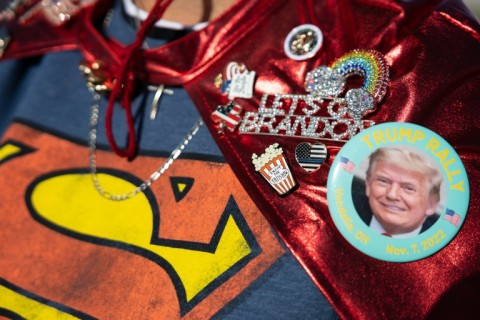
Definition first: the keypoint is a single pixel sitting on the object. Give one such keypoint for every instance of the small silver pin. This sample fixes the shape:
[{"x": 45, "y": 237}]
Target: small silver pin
[
  {"x": 159, "y": 91},
  {"x": 4, "y": 42}
]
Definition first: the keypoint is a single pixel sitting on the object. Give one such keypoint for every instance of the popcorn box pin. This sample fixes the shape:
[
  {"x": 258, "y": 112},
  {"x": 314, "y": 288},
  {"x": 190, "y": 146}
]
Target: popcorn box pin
[{"x": 273, "y": 166}]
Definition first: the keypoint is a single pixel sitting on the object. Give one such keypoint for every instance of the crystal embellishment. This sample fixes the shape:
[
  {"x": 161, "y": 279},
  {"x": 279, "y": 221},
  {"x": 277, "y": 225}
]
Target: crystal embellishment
[
  {"x": 325, "y": 81},
  {"x": 358, "y": 101},
  {"x": 331, "y": 81}
]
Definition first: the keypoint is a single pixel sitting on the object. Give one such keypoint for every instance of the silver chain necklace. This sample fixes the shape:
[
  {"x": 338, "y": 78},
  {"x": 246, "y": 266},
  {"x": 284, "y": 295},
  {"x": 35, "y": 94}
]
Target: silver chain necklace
[
  {"x": 95, "y": 86},
  {"x": 92, "y": 146}
]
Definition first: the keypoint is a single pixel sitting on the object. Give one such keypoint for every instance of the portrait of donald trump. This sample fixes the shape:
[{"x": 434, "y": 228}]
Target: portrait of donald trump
[{"x": 399, "y": 194}]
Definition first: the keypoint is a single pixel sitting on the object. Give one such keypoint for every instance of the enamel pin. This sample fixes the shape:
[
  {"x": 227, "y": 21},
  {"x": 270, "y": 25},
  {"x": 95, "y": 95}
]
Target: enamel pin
[
  {"x": 227, "y": 117},
  {"x": 398, "y": 192},
  {"x": 310, "y": 155},
  {"x": 273, "y": 166},
  {"x": 236, "y": 81}
]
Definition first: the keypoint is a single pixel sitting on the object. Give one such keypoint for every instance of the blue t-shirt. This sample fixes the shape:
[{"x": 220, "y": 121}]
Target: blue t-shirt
[{"x": 45, "y": 116}]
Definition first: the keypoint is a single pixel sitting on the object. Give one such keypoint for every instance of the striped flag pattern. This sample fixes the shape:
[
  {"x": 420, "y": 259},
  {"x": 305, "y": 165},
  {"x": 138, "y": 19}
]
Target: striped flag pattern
[
  {"x": 347, "y": 165},
  {"x": 228, "y": 115},
  {"x": 452, "y": 217},
  {"x": 310, "y": 156}
]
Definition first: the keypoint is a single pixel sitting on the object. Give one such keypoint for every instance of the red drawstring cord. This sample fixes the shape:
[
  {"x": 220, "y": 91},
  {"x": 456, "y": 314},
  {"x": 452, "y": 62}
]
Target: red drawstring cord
[
  {"x": 311, "y": 13},
  {"x": 301, "y": 12},
  {"x": 306, "y": 12},
  {"x": 123, "y": 86}
]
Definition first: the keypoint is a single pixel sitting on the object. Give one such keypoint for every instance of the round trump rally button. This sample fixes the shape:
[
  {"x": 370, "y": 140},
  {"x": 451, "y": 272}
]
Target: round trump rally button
[{"x": 398, "y": 192}]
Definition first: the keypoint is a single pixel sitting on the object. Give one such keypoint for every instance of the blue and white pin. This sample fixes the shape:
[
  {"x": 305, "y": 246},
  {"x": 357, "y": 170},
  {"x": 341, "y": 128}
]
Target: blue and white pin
[{"x": 310, "y": 156}]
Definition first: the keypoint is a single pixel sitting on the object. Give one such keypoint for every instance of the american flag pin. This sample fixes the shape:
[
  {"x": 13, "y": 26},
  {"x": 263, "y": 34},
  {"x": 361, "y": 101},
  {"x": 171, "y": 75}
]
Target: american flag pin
[
  {"x": 310, "y": 156},
  {"x": 227, "y": 117}
]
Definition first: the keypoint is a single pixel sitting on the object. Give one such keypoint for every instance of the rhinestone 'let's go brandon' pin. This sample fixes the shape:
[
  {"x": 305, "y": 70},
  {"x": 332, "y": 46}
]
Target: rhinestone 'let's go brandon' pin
[{"x": 398, "y": 192}]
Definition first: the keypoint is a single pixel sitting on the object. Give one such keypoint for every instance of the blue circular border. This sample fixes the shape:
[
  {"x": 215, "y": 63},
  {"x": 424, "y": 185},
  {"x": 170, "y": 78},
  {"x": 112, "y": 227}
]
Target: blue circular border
[{"x": 352, "y": 227}]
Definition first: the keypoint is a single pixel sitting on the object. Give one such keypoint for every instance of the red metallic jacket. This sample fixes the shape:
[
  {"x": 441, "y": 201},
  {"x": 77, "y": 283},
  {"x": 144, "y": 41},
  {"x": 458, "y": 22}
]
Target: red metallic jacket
[{"x": 433, "y": 50}]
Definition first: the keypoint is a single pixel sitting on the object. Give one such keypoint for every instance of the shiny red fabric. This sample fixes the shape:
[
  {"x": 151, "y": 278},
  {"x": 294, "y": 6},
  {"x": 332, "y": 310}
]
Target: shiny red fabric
[{"x": 433, "y": 51}]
